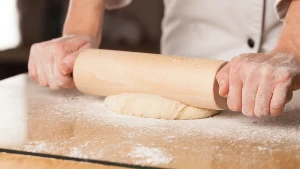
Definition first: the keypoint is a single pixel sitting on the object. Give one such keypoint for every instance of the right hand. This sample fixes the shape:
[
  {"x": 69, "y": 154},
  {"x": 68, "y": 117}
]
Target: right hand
[{"x": 51, "y": 62}]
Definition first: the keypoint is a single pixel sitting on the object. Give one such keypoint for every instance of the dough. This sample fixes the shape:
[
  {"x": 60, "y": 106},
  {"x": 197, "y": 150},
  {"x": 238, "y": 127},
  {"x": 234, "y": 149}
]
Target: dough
[{"x": 153, "y": 106}]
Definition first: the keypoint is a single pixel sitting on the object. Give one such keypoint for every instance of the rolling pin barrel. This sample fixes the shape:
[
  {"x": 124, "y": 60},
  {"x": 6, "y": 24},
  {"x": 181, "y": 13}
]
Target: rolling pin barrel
[{"x": 185, "y": 79}]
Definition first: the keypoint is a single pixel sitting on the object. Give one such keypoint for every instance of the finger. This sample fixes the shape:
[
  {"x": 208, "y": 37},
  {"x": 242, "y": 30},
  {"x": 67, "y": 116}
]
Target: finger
[
  {"x": 32, "y": 68},
  {"x": 33, "y": 72},
  {"x": 49, "y": 71},
  {"x": 223, "y": 80},
  {"x": 69, "y": 83},
  {"x": 234, "y": 99},
  {"x": 280, "y": 95},
  {"x": 42, "y": 77},
  {"x": 263, "y": 99},
  {"x": 63, "y": 81},
  {"x": 67, "y": 64},
  {"x": 248, "y": 98}
]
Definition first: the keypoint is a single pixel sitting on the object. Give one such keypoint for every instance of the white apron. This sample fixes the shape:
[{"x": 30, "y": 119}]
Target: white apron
[{"x": 218, "y": 29}]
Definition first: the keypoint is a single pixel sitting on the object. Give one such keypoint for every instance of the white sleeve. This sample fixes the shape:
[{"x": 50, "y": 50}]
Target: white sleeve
[
  {"x": 115, "y": 4},
  {"x": 281, "y": 8}
]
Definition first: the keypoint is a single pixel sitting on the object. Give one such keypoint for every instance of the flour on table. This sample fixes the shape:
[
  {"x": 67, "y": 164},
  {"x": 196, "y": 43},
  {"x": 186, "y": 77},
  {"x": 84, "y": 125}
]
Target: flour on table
[
  {"x": 153, "y": 106},
  {"x": 118, "y": 138},
  {"x": 147, "y": 155}
]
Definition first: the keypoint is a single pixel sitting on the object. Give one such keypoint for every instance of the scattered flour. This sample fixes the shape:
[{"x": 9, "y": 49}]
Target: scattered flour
[
  {"x": 147, "y": 155},
  {"x": 262, "y": 148},
  {"x": 36, "y": 147},
  {"x": 88, "y": 112},
  {"x": 77, "y": 153}
]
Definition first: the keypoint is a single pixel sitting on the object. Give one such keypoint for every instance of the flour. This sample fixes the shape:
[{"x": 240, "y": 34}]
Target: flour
[
  {"x": 147, "y": 155},
  {"x": 44, "y": 147},
  {"x": 36, "y": 147},
  {"x": 147, "y": 141},
  {"x": 77, "y": 153}
]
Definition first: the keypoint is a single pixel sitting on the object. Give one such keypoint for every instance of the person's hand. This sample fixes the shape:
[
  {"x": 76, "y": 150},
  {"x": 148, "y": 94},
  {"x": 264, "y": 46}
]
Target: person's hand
[
  {"x": 51, "y": 62},
  {"x": 259, "y": 84}
]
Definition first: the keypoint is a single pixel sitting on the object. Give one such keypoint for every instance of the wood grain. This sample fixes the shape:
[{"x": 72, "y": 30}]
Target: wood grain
[
  {"x": 185, "y": 79},
  {"x": 17, "y": 161},
  {"x": 69, "y": 124}
]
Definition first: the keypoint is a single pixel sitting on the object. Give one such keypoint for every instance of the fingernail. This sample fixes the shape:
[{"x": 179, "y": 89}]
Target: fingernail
[{"x": 65, "y": 67}]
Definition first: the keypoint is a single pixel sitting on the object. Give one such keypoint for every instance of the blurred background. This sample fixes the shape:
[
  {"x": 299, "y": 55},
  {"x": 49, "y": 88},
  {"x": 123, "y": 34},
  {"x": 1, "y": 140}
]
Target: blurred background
[{"x": 136, "y": 27}]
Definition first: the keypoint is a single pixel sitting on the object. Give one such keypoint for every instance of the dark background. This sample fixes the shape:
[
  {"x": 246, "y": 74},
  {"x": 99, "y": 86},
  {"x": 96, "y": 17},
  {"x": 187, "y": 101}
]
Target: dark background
[{"x": 136, "y": 27}]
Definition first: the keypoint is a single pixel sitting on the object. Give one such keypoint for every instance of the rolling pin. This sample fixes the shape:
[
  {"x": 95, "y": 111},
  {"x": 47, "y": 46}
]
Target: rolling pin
[{"x": 188, "y": 80}]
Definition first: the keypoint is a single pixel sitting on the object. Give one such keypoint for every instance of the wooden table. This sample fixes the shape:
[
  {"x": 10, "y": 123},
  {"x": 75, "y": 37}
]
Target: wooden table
[{"x": 66, "y": 129}]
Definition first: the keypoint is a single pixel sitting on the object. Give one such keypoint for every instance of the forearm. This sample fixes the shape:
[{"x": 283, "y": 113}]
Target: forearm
[
  {"x": 289, "y": 39},
  {"x": 85, "y": 19}
]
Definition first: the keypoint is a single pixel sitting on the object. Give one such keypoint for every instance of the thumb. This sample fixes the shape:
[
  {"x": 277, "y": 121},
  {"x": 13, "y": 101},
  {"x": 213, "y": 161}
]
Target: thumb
[
  {"x": 67, "y": 64},
  {"x": 223, "y": 80}
]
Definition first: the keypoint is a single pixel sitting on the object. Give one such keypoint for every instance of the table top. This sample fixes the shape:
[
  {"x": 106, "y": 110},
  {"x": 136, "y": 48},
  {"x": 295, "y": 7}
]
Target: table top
[
  {"x": 70, "y": 125},
  {"x": 17, "y": 161}
]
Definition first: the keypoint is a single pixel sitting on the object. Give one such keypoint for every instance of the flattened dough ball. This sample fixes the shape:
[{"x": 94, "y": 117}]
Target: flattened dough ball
[{"x": 153, "y": 106}]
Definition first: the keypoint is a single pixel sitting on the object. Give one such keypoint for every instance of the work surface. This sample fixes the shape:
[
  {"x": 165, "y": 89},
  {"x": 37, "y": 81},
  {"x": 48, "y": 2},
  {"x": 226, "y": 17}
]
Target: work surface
[{"x": 69, "y": 124}]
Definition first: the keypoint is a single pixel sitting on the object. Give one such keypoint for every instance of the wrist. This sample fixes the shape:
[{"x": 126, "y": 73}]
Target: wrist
[
  {"x": 288, "y": 45},
  {"x": 94, "y": 41},
  {"x": 289, "y": 40},
  {"x": 85, "y": 19}
]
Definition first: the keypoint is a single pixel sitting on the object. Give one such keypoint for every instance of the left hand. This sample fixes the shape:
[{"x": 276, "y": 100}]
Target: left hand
[{"x": 259, "y": 84}]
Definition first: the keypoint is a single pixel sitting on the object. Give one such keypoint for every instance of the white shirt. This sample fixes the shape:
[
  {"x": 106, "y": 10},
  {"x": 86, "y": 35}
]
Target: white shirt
[{"x": 218, "y": 29}]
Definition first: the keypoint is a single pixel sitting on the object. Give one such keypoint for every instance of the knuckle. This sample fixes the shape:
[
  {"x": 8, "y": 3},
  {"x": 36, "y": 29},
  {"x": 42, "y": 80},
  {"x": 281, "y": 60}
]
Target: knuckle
[
  {"x": 267, "y": 71},
  {"x": 54, "y": 46},
  {"x": 277, "y": 107},
  {"x": 242, "y": 56},
  {"x": 235, "y": 69},
  {"x": 284, "y": 75},
  {"x": 250, "y": 72},
  {"x": 236, "y": 59},
  {"x": 34, "y": 48}
]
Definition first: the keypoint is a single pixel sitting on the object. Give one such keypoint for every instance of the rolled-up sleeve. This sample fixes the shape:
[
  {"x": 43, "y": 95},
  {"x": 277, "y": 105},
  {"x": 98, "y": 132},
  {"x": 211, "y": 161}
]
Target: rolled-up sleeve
[
  {"x": 281, "y": 8},
  {"x": 115, "y": 4}
]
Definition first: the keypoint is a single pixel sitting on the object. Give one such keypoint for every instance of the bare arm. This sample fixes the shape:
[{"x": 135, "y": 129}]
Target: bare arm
[
  {"x": 289, "y": 39},
  {"x": 85, "y": 19},
  {"x": 51, "y": 62},
  {"x": 261, "y": 84}
]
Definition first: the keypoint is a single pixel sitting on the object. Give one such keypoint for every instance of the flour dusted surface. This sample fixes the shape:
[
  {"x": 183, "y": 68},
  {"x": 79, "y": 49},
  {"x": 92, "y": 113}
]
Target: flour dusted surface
[
  {"x": 147, "y": 155},
  {"x": 68, "y": 123}
]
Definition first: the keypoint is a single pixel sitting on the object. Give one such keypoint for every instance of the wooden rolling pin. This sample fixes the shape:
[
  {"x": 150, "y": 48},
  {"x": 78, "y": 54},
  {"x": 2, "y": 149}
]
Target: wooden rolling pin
[{"x": 185, "y": 79}]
